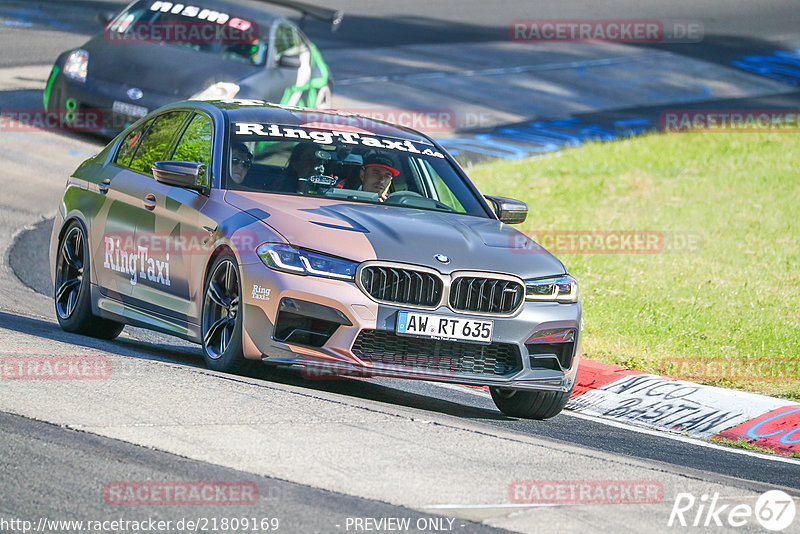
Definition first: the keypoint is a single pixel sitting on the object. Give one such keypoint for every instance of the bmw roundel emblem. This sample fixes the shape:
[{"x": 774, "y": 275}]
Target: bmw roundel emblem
[
  {"x": 442, "y": 258},
  {"x": 134, "y": 93}
]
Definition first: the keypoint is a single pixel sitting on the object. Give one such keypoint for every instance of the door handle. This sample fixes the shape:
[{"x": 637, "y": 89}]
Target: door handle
[
  {"x": 104, "y": 186},
  {"x": 149, "y": 201}
]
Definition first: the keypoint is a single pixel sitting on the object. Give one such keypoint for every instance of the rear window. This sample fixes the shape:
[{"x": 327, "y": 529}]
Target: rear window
[{"x": 182, "y": 24}]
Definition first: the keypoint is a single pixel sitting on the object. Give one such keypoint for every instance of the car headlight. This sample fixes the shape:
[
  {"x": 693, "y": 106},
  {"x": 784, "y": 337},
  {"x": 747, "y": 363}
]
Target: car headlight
[
  {"x": 559, "y": 289},
  {"x": 293, "y": 260},
  {"x": 218, "y": 91},
  {"x": 76, "y": 65}
]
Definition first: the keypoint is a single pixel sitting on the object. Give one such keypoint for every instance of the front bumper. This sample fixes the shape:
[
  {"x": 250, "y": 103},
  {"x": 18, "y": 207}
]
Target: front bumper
[
  {"x": 357, "y": 336},
  {"x": 97, "y": 97}
]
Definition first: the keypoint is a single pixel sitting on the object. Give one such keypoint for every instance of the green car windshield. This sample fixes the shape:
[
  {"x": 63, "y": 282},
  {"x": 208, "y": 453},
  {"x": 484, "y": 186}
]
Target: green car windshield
[
  {"x": 201, "y": 29},
  {"x": 346, "y": 165}
]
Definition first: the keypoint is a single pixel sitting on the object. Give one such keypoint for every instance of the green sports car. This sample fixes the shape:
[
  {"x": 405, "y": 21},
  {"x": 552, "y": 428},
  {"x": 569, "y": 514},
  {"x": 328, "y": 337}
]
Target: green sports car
[{"x": 155, "y": 52}]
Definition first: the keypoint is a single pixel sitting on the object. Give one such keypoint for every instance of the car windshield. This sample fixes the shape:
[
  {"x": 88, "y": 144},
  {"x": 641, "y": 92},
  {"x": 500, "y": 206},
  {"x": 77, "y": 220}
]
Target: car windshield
[
  {"x": 201, "y": 29},
  {"x": 350, "y": 165}
]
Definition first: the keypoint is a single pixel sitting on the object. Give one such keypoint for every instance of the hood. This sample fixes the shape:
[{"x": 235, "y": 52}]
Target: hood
[
  {"x": 362, "y": 232},
  {"x": 165, "y": 69}
]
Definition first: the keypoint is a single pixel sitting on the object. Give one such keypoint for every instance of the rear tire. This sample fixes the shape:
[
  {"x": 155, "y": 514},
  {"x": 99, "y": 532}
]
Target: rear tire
[
  {"x": 72, "y": 288},
  {"x": 530, "y": 404}
]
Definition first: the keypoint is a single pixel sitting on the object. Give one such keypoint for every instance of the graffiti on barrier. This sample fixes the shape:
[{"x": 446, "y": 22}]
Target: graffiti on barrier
[
  {"x": 659, "y": 402},
  {"x": 786, "y": 434},
  {"x": 666, "y": 403}
]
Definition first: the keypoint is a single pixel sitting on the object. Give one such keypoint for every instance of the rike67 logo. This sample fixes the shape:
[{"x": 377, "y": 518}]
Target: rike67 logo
[{"x": 774, "y": 510}]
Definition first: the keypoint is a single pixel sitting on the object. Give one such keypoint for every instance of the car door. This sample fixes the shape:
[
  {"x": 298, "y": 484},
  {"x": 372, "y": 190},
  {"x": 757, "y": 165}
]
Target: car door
[
  {"x": 114, "y": 253},
  {"x": 173, "y": 235},
  {"x": 121, "y": 262}
]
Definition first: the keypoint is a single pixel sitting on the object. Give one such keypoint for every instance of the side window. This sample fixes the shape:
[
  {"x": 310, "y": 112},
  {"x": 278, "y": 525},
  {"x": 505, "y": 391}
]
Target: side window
[
  {"x": 285, "y": 40},
  {"x": 437, "y": 188},
  {"x": 445, "y": 195},
  {"x": 196, "y": 145},
  {"x": 301, "y": 41},
  {"x": 128, "y": 146},
  {"x": 156, "y": 141}
]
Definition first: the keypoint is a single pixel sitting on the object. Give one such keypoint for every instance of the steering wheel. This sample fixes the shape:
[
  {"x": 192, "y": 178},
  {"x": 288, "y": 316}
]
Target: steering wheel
[
  {"x": 404, "y": 198},
  {"x": 401, "y": 197}
]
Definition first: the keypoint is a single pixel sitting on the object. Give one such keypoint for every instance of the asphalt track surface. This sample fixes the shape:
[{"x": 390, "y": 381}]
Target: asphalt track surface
[
  {"x": 57, "y": 468},
  {"x": 30, "y": 249},
  {"x": 77, "y": 460}
]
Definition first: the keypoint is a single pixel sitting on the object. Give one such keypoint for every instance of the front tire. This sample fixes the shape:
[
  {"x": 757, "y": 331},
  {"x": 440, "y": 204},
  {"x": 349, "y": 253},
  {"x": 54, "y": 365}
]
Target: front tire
[
  {"x": 530, "y": 404},
  {"x": 72, "y": 288},
  {"x": 221, "y": 325}
]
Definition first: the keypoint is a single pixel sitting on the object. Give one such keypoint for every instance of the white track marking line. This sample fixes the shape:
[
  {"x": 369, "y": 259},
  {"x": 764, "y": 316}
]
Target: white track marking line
[
  {"x": 685, "y": 439},
  {"x": 480, "y": 506},
  {"x": 651, "y": 432}
]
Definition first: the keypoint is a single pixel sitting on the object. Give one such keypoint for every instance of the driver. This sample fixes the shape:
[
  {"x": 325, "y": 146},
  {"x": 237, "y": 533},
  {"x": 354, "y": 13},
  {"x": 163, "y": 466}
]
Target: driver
[
  {"x": 377, "y": 173},
  {"x": 241, "y": 161}
]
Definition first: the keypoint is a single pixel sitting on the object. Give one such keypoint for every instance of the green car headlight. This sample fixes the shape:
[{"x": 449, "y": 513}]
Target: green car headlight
[
  {"x": 560, "y": 289},
  {"x": 303, "y": 262}
]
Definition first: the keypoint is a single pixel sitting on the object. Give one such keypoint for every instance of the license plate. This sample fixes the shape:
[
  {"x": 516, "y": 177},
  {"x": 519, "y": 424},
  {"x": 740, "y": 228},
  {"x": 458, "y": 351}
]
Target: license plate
[
  {"x": 441, "y": 327},
  {"x": 129, "y": 109}
]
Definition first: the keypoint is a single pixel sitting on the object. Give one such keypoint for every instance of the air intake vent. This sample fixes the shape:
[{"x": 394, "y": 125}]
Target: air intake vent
[{"x": 453, "y": 357}]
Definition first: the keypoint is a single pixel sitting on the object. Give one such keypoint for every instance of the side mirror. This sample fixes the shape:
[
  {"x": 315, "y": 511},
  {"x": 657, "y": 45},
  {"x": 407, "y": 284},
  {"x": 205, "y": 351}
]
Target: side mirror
[
  {"x": 292, "y": 62},
  {"x": 509, "y": 210},
  {"x": 103, "y": 18},
  {"x": 180, "y": 174}
]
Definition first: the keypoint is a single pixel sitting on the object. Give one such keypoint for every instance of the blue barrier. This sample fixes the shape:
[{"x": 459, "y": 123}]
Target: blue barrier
[
  {"x": 781, "y": 66},
  {"x": 542, "y": 136}
]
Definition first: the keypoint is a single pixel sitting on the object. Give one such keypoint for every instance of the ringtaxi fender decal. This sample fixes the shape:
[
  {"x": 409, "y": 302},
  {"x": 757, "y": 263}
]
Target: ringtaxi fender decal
[
  {"x": 119, "y": 260},
  {"x": 260, "y": 293}
]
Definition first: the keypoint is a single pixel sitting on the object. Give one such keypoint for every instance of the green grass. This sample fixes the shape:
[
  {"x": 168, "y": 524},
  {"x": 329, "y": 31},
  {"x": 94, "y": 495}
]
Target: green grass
[
  {"x": 732, "y": 305},
  {"x": 744, "y": 444},
  {"x": 741, "y": 444}
]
